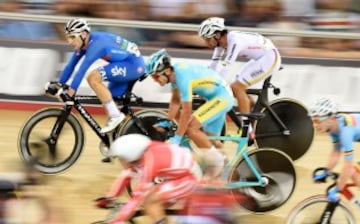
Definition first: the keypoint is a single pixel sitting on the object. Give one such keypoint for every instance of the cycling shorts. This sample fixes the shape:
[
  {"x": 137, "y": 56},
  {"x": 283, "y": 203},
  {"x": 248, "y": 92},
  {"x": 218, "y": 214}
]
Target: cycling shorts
[
  {"x": 256, "y": 70},
  {"x": 120, "y": 74},
  {"x": 212, "y": 114}
]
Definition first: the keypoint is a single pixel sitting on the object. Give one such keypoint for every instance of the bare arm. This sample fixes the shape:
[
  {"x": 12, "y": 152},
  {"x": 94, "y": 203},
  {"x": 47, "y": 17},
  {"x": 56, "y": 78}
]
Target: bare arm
[
  {"x": 185, "y": 118},
  {"x": 174, "y": 105}
]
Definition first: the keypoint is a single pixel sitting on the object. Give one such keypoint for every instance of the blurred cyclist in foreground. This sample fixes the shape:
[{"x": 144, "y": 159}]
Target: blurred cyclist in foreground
[{"x": 167, "y": 174}]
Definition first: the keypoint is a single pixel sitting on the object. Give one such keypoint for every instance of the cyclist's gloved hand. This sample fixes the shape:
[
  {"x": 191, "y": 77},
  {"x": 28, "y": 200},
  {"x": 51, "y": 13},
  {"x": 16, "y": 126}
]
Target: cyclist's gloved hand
[
  {"x": 176, "y": 139},
  {"x": 51, "y": 88},
  {"x": 103, "y": 202},
  {"x": 333, "y": 194},
  {"x": 320, "y": 174}
]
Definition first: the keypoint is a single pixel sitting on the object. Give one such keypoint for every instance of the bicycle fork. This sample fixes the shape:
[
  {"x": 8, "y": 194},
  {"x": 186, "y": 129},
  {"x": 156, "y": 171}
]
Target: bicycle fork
[
  {"x": 257, "y": 181},
  {"x": 331, "y": 206},
  {"x": 328, "y": 212},
  {"x": 55, "y": 132}
]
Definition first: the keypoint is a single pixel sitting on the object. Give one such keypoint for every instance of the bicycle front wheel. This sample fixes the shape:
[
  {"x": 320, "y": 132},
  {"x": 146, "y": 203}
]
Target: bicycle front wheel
[
  {"x": 273, "y": 166},
  {"x": 34, "y": 141},
  {"x": 298, "y": 139},
  {"x": 144, "y": 119},
  {"x": 311, "y": 209}
]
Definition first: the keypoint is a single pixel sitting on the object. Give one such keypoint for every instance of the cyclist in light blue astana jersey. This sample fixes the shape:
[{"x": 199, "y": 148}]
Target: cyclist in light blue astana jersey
[
  {"x": 344, "y": 130},
  {"x": 125, "y": 64},
  {"x": 186, "y": 80}
]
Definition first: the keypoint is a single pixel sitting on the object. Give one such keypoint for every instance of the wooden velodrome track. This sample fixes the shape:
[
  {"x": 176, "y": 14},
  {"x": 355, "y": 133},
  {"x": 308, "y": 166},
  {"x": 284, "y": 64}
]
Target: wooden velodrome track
[{"x": 73, "y": 191}]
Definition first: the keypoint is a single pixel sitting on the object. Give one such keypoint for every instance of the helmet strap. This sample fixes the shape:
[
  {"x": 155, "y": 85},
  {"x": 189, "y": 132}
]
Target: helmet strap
[
  {"x": 83, "y": 42},
  {"x": 167, "y": 77},
  {"x": 217, "y": 37}
]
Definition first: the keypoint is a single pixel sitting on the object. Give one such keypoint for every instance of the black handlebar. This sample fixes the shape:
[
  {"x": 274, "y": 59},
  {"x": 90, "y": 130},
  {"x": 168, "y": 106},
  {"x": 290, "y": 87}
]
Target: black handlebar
[{"x": 333, "y": 175}]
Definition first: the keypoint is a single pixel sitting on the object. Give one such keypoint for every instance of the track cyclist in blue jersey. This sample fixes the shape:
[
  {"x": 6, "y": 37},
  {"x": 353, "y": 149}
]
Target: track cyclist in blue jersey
[
  {"x": 344, "y": 130},
  {"x": 125, "y": 64},
  {"x": 186, "y": 80}
]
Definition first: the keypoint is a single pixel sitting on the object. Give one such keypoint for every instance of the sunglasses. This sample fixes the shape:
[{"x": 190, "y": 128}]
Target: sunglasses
[
  {"x": 319, "y": 119},
  {"x": 71, "y": 37}
]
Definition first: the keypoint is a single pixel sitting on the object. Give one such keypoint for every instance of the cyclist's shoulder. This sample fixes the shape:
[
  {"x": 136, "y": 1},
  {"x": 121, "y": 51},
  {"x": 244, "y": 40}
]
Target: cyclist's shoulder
[{"x": 348, "y": 119}]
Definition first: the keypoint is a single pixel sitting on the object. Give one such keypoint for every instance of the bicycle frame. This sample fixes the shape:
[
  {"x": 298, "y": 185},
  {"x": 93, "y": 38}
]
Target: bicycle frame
[
  {"x": 331, "y": 206},
  {"x": 241, "y": 152},
  {"x": 263, "y": 102},
  {"x": 75, "y": 103}
]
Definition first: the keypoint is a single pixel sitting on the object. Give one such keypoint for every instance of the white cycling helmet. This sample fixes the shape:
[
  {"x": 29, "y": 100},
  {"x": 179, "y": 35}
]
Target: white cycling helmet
[
  {"x": 211, "y": 25},
  {"x": 323, "y": 107},
  {"x": 129, "y": 147},
  {"x": 77, "y": 25}
]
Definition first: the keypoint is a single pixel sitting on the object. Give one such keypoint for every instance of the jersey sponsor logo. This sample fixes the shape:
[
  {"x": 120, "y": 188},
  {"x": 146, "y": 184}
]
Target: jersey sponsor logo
[
  {"x": 256, "y": 73},
  {"x": 139, "y": 70},
  {"x": 116, "y": 71},
  {"x": 102, "y": 72},
  {"x": 216, "y": 103},
  {"x": 232, "y": 52}
]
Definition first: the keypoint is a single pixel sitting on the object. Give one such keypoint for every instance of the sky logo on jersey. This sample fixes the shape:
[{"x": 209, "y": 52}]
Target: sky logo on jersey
[
  {"x": 102, "y": 72},
  {"x": 116, "y": 71}
]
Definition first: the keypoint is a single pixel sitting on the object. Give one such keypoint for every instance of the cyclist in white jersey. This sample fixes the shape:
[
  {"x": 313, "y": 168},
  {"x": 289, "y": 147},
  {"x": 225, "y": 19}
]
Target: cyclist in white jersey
[{"x": 263, "y": 57}]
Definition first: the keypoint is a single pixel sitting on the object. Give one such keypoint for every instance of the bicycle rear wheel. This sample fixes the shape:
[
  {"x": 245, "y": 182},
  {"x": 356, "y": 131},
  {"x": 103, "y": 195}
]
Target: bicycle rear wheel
[
  {"x": 268, "y": 132},
  {"x": 310, "y": 211},
  {"x": 147, "y": 118},
  {"x": 34, "y": 141},
  {"x": 273, "y": 165}
]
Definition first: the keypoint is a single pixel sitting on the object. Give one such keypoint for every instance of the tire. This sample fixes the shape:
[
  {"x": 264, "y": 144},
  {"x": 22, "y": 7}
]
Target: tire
[
  {"x": 277, "y": 168},
  {"x": 295, "y": 117},
  {"x": 311, "y": 209},
  {"x": 148, "y": 118},
  {"x": 36, "y": 130}
]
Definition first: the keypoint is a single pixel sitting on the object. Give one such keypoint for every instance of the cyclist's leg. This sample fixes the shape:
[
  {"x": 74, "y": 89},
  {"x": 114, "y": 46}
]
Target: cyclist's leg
[
  {"x": 251, "y": 73},
  {"x": 211, "y": 116},
  {"x": 95, "y": 80},
  {"x": 167, "y": 194},
  {"x": 120, "y": 73}
]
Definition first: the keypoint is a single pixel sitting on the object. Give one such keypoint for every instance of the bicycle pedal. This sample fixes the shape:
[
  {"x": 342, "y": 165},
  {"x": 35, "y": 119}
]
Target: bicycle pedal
[{"x": 106, "y": 160}]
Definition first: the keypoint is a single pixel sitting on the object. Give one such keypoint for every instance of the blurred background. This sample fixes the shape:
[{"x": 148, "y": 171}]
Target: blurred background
[
  {"x": 307, "y": 15},
  {"x": 318, "y": 39}
]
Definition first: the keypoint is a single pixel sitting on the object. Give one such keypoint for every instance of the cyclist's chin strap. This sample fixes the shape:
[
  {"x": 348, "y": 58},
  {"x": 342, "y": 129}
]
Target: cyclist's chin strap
[
  {"x": 217, "y": 41},
  {"x": 83, "y": 42},
  {"x": 167, "y": 77}
]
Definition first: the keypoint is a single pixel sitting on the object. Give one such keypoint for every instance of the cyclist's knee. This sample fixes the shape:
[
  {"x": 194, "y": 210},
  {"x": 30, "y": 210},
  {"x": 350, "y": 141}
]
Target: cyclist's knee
[
  {"x": 94, "y": 77},
  {"x": 238, "y": 86}
]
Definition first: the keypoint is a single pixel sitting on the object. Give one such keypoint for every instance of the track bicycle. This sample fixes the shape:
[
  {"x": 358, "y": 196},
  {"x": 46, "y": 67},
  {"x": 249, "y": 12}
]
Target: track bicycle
[
  {"x": 286, "y": 125},
  {"x": 318, "y": 209},
  {"x": 56, "y": 137},
  {"x": 265, "y": 174}
]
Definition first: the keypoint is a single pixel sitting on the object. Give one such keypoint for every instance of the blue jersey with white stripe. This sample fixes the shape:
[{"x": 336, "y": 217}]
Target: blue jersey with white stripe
[{"x": 106, "y": 46}]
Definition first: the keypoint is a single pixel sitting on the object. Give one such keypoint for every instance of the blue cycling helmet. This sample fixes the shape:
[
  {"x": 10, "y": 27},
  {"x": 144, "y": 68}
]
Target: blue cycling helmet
[{"x": 158, "y": 62}]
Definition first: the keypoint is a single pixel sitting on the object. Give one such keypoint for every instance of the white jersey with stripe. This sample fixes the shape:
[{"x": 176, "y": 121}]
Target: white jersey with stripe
[{"x": 240, "y": 44}]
